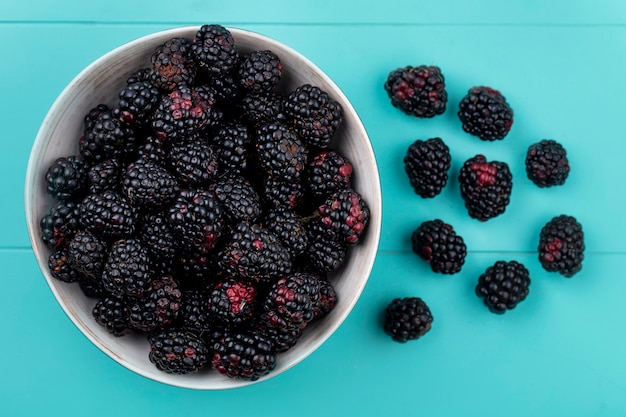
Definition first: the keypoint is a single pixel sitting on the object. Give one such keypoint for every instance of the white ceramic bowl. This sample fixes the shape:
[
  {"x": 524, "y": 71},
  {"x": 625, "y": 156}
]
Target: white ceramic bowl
[{"x": 100, "y": 83}]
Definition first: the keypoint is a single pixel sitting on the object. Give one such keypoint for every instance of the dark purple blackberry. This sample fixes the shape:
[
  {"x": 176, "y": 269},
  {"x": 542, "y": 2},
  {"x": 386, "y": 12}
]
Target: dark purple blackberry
[
  {"x": 327, "y": 301},
  {"x": 280, "y": 152},
  {"x": 562, "y": 245},
  {"x": 155, "y": 149},
  {"x": 427, "y": 164},
  {"x": 137, "y": 101},
  {"x": 177, "y": 351},
  {"x": 438, "y": 244},
  {"x": 105, "y": 175},
  {"x": 142, "y": 74},
  {"x": 194, "y": 161},
  {"x": 66, "y": 177},
  {"x": 148, "y": 185},
  {"x": 289, "y": 228},
  {"x": 293, "y": 298},
  {"x": 547, "y": 164},
  {"x": 277, "y": 193},
  {"x": 105, "y": 136},
  {"x": 323, "y": 254},
  {"x": 259, "y": 109},
  {"x": 484, "y": 112},
  {"x": 60, "y": 224},
  {"x": 407, "y": 318},
  {"x": 246, "y": 356},
  {"x": 127, "y": 269},
  {"x": 344, "y": 216},
  {"x": 214, "y": 49},
  {"x": 231, "y": 142},
  {"x": 196, "y": 219},
  {"x": 112, "y": 313},
  {"x": 172, "y": 64},
  {"x": 232, "y": 302},
  {"x": 503, "y": 285},
  {"x": 316, "y": 116},
  {"x": 276, "y": 330},
  {"x": 157, "y": 237},
  {"x": 485, "y": 187},
  {"x": 418, "y": 91},
  {"x": 238, "y": 199},
  {"x": 108, "y": 214},
  {"x": 254, "y": 253},
  {"x": 60, "y": 266},
  {"x": 326, "y": 172},
  {"x": 159, "y": 308},
  {"x": 260, "y": 71},
  {"x": 194, "y": 313},
  {"x": 88, "y": 254}
]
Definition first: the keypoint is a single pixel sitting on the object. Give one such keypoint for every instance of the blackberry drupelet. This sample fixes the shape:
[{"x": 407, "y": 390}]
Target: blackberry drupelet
[
  {"x": 177, "y": 351},
  {"x": 259, "y": 71},
  {"x": 127, "y": 269},
  {"x": 418, "y": 91},
  {"x": 407, "y": 318},
  {"x": 231, "y": 142},
  {"x": 194, "y": 161},
  {"x": 327, "y": 171},
  {"x": 238, "y": 199},
  {"x": 105, "y": 175},
  {"x": 112, "y": 313},
  {"x": 280, "y": 152},
  {"x": 232, "y": 302},
  {"x": 485, "y": 187},
  {"x": 562, "y": 245},
  {"x": 258, "y": 109},
  {"x": 214, "y": 50},
  {"x": 293, "y": 298},
  {"x": 146, "y": 184},
  {"x": 194, "y": 315},
  {"x": 105, "y": 136},
  {"x": 242, "y": 355},
  {"x": 547, "y": 164},
  {"x": 159, "y": 308},
  {"x": 108, "y": 214},
  {"x": 88, "y": 254},
  {"x": 172, "y": 64},
  {"x": 60, "y": 266},
  {"x": 438, "y": 244},
  {"x": 427, "y": 164},
  {"x": 137, "y": 101},
  {"x": 66, "y": 177},
  {"x": 289, "y": 228},
  {"x": 503, "y": 286},
  {"x": 60, "y": 224},
  {"x": 484, "y": 112},
  {"x": 344, "y": 216}
]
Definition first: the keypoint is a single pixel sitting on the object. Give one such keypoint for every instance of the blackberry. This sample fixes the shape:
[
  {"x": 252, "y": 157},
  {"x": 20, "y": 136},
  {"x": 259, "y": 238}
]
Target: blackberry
[
  {"x": 127, "y": 269},
  {"x": 157, "y": 237},
  {"x": 277, "y": 331},
  {"x": 344, "y": 216},
  {"x": 108, "y": 214},
  {"x": 148, "y": 185},
  {"x": 226, "y": 87},
  {"x": 105, "y": 175},
  {"x": 194, "y": 161},
  {"x": 92, "y": 288},
  {"x": 407, "y": 318},
  {"x": 293, "y": 298},
  {"x": 60, "y": 224},
  {"x": 326, "y": 172},
  {"x": 196, "y": 268},
  {"x": 324, "y": 254},
  {"x": 252, "y": 252},
  {"x": 485, "y": 187},
  {"x": 159, "y": 308},
  {"x": 178, "y": 352},
  {"x": 112, "y": 313},
  {"x": 142, "y": 74},
  {"x": 427, "y": 164},
  {"x": 231, "y": 142},
  {"x": 66, "y": 177},
  {"x": 194, "y": 313},
  {"x": 260, "y": 71},
  {"x": 60, "y": 266},
  {"x": 277, "y": 193},
  {"x": 484, "y": 112},
  {"x": 88, "y": 254},
  {"x": 289, "y": 228},
  {"x": 258, "y": 109},
  {"x": 547, "y": 164},
  {"x": 316, "y": 116},
  {"x": 154, "y": 149},
  {"x": 172, "y": 64},
  {"x": 562, "y": 245},
  {"x": 328, "y": 299},
  {"x": 137, "y": 101},
  {"x": 503, "y": 285},
  {"x": 232, "y": 302},
  {"x": 246, "y": 356},
  {"x": 280, "y": 152},
  {"x": 238, "y": 198},
  {"x": 214, "y": 49},
  {"x": 438, "y": 244},
  {"x": 105, "y": 136},
  {"x": 418, "y": 91}
]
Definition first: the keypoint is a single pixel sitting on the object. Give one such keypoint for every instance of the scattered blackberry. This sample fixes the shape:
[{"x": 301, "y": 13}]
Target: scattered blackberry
[
  {"x": 60, "y": 266},
  {"x": 547, "y": 164},
  {"x": 157, "y": 237},
  {"x": 562, "y": 245},
  {"x": 108, "y": 214},
  {"x": 344, "y": 215},
  {"x": 427, "y": 164},
  {"x": 137, "y": 101},
  {"x": 105, "y": 136},
  {"x": 238, "y": 198},
  {"x": 148, "y": 185},
  {"x": 407, "y": 318},
  {"x": 326, "y": 172},
  {"x": 88, "y": 254},
  {"x": 178, "y": 352},
  {"x": 258, "y": 109},
  {"x": 315, "y": 115},
  {"x": 438, "y": 244},
  {"x": 280, "y": 152},
  {"x": 293, "y": 298},
  {"x": 484, "y": 112},
  {"x": 232, "y": 302},
  {"x": 277, "y": 193},
  {"x": 172, "y": 64},
  {"x": 60, "y": 224},
  {"x": 289, "y": 228},
  {"x": 111, "y": 312},
  {"x": 231, "y": 142},
  {"x": 159, "y": 308},
  {"x": 194, "y": 312},
  {"x": 328, "y": 299},
  {"x": 66, "y": 177},
  {"x": 127, "y": 269},
  {"x": 419, "y": 91},
  {"x": 105, "y": 175},
  {"x": 274, "y": 327},
  {"x": 260, "y": 71},
  {"x": 503, "y": 286},
  {"x": 214, "y": 49},
  {"x": 246, "y": 356},
  {"x": 485, "y": 187},
  {"x": 194, "y": 161}
]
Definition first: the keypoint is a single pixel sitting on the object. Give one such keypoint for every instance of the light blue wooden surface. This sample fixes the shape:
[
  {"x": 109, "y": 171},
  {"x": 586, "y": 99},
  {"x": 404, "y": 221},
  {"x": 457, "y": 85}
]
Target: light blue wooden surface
[{"x": 561, "y": 65}]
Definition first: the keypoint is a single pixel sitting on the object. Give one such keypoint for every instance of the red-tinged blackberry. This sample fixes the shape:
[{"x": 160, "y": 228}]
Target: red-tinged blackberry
[
  {"x": 418, "y": 91},
  {"x": 438, "y": 244},
  {"x": 260, "y": 71},
  {"x": 60, "y": 224},
  {"x": 108, "y": 214},
  {"x": 276, "y": 329},
  {"x": 254, "y": 253},
  {"x": 142, "y": 74},
  {"x": 194, "y": 161},
  {"x": 112, "y": 313},
  {"x": 238, "y": 199},
  {"x": 159, "y": 308},
  {"x": 280, "y": 152},
  {"x": 344, "y": 216},
  {"x": 485, "y": 187},
  {"x": 105, "y": 136},
  {"x": 407, "y": 318},
  {"x": 326, "y": 172},
  {"x": 194, "y": 313},
  {"x": 137, "y": 101},
  {"x": 231, "y": 142},
  {"x": 258, "y": 109},
  {"x": 196, "y": 219},
  {"x": 246, "y": 356},
  {"x": 88, "y": 254},
  {"x": 323, "y": 254},
  {"x": 157, "y": 237},
  {"x": 327, "y": 301},
  {"x": 60, "y": 266},
  {"x": 289, "y": 228},
  {"x": 316, "y": 116},
  {"x": 172, "y": 64},
  {"x": 427, "y": 164},
  {"x": 127, "y": 269},
  {"x": 278, "y": 193},
  {"x": 232, "y": 302},
  {"x": 148, "y": 185},
  {"x": 484, "y": 112},
  {"x": 562, "y": 245},
  {"x": 547, "y": 164},
  {"x": 503, "y": 286},
  {"x": 293, "y": 298},
  {"x": 105, "y": 175},
  {"x": 177, "y": 351},
  {"x": 66, "y": 177},
  {"x": 214, "y": 49}
]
